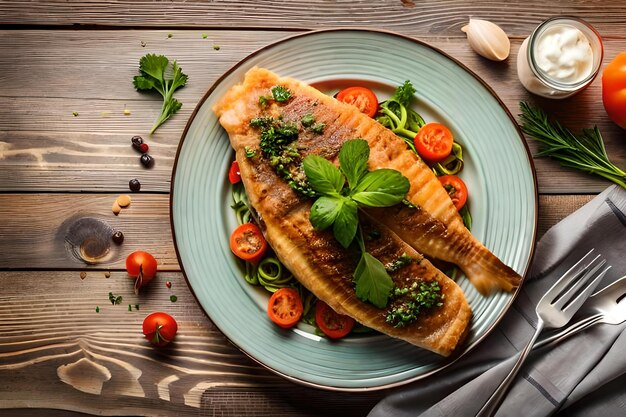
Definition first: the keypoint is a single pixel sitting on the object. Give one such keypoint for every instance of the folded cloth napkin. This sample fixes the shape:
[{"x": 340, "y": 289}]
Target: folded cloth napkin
[{"x": 584, "y": 375}]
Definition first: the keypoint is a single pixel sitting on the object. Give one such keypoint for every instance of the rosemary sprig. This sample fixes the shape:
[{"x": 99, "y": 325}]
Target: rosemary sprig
[{"x": 585, "y": 152}]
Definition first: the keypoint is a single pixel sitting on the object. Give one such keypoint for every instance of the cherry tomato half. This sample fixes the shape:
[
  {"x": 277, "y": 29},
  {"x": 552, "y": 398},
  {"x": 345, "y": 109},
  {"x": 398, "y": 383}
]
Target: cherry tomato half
[
  {"x": 614, "y": 89},
  {"x": 434, "y": 142},
  {"x": 285, "y": 307},
  {"x": 456, "y": 189},
  {"x": 361, "y": 97},
  {"x": 234, "y": 176},
  {"x": 142, "y": 267},
  {"x": 334, "y": 325},
  {"x": 247, "y": 243},
  {"x": 159, "y": 328}
]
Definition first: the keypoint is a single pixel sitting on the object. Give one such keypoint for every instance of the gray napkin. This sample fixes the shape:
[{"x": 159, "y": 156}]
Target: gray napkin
[{"x": 582, "y": 376}]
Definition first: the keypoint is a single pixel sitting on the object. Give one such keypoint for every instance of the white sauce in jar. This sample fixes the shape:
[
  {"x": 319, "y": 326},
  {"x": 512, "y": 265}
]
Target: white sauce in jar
[
  {"x": 560, "y": 58},
  {"x": 564, "y": 53}
]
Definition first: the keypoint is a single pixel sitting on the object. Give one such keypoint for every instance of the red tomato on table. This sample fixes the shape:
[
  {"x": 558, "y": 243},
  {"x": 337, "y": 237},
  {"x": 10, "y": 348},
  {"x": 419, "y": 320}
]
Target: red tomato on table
[
  {"x": 142, "y": 267},
  {"x": 159, "y": 328},
  {"x": 614, "y": 90}
]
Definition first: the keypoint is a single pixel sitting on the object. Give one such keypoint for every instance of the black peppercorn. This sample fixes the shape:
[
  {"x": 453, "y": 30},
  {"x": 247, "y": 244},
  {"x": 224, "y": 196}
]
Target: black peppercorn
[
  {"x": 137, "y": 141},
  {"x": 134, "y": 185},
  {"x": 118, "y": 237},
  {"x": 146, "y": 160}
]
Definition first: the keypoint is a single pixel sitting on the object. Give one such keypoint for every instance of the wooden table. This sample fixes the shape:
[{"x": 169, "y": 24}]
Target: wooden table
[{"x": 67, "y": 113}]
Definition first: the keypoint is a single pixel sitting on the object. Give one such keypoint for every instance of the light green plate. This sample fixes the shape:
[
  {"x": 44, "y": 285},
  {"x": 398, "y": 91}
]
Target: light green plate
[{"x": 499, "y": 174}]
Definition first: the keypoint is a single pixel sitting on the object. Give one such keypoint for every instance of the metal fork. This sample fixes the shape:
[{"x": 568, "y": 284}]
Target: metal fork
[
  {"x": 606, "y": 306},
  {"x": 554, "y": 310}
]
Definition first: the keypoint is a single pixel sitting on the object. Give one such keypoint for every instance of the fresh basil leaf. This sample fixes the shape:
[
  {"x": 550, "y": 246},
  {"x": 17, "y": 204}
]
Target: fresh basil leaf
[
  {"x": 323, "y": 176},
  {"x": 325, "y": 210},
  {"x": 346, "y": 223},
  {"x": 373, "y": 283},
  {"x": 353, "y": 158},
  {"x": 381, "y": 188}
]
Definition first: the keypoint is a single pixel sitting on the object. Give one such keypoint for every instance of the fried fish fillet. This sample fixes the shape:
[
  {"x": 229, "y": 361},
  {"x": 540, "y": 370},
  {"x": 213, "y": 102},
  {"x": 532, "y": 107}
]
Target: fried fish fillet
[
  {"x": 434, "y": 228},
  {"x": 315, "y": 258}
]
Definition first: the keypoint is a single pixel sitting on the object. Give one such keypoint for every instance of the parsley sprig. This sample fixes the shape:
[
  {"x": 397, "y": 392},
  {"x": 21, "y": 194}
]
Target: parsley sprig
[
  {"x": 160, "y": 74},
  {"x": 341, "y": 191},
  {"x": 585, "y": 152}
]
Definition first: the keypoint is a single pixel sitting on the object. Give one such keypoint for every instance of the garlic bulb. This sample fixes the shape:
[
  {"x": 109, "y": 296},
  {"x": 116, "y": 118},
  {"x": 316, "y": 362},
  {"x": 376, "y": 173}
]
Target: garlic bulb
[{"x": 487, "y": 39}]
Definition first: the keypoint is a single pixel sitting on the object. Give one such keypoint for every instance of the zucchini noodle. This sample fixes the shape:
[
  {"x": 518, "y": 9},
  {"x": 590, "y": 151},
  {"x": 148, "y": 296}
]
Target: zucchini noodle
[{"x": 270, "y": 273}]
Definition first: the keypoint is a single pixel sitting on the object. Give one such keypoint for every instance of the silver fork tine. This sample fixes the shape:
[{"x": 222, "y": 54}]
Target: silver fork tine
[
  {"x": 571, "y": 274},
  {"x": 564, "y": 297},
  {"x": 580, "y": 299}
]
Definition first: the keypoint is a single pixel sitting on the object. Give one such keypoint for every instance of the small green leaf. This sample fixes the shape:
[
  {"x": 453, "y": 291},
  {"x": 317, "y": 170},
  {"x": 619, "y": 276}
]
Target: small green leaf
[
  {"x": 353, "y": 158},
  {"x": 323, "y": 176},
  {"x": 325, "y": 210},
  {"x": 381, "y": 188},
  {"x": 142, "y": 83},
  {"x": 346, "y": 224},
  {"x": 373, "y": 283}
]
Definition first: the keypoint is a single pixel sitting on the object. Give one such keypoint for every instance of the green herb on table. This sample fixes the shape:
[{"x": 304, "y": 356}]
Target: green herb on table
[
  {"x": 337, "y": 207},
  {"x": 115, "y": 299},
  {"x": 97, "y": 309},
  {"x": 585, "y": 152},
  {"x": 165, "y": 76},
  {"x": 173, "y": 298}
]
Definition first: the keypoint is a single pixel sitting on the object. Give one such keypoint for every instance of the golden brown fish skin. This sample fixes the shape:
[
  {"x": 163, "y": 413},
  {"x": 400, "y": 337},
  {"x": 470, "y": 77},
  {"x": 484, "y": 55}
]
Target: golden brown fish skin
[
  {"x": 326, "y": 268},
  {"x": 447, "y": 238},
  {"x": 316, "y": 258}
]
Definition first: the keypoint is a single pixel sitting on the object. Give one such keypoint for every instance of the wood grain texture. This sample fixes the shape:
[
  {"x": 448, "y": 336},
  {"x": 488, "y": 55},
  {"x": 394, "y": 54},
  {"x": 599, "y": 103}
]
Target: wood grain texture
[
  {"x": 57, "y": 352},
  {"x": 41, "y": 139},
  {"x": 35, "y": 227},
  {"x": 430, "y": 17}
]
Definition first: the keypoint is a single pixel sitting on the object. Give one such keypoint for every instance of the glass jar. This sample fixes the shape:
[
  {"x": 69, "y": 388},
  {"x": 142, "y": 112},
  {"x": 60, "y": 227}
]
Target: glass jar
[{"x": 552, "y": 64}]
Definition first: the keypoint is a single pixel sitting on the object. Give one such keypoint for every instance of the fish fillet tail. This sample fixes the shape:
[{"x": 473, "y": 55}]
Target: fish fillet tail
[{"x": 489, "y": 275}]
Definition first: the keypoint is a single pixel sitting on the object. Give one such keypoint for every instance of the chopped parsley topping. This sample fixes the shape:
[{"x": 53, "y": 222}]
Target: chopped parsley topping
[
  {"x": 250, "y": 153},
  {"x": 173, "y": 298},
  {"x": 318, "y": 128},
  {"x": 281, "y": 94},
  {"x": 401, "y": 262},
  {"x": 307, "y": 120},
  {"x": 418, "y": 297},
  {"x": 278, "y": 144}
]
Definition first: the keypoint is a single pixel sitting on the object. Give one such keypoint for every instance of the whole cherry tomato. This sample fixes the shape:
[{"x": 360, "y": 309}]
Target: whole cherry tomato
[
  {"x": 142, "y": 267},
  {"x": 159, "y": 328},
  {"x": 614, "y": 90}
]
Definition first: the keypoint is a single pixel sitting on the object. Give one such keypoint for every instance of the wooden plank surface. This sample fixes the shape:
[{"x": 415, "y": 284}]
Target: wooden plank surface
[
  {"x": 91, "y": 151},
  {"x": 430, "y": 17},
  {"x": 57, "y": 352},
  {"x": 59, "y": 172}
]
